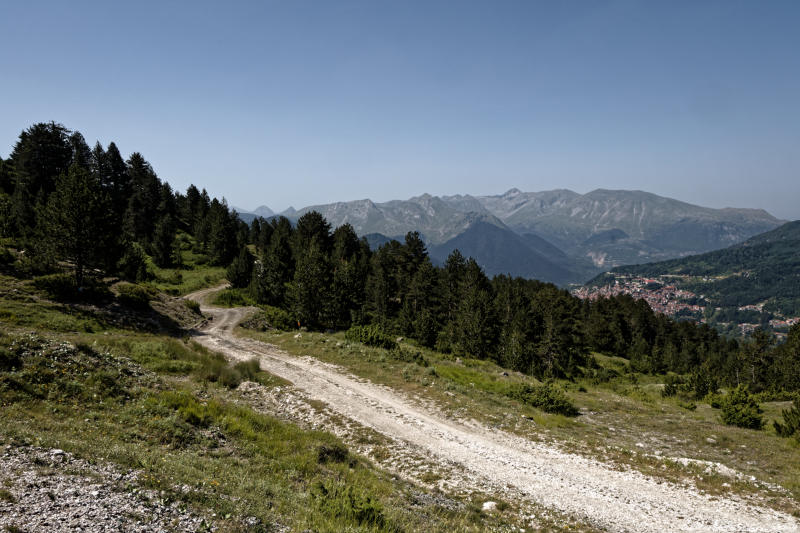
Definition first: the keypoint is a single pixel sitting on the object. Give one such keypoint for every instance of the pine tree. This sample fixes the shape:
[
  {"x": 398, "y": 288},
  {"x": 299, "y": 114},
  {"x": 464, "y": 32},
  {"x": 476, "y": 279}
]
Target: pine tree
[
  {"x": 308, "y": 293},
  {"x": 240, "y": 271},
  {"x": 76, "y": 220},
  {"x": 276, "y": 266},
  {"x": 40, "y": 156},
  {"x": 163, "y": 241},
  {"x": 473, "y": 328}
]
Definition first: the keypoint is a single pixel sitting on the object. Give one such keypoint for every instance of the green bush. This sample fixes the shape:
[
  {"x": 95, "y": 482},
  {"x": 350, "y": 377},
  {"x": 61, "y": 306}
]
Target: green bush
[
  {"x": 64, "y": 287},
  {"x": 740, "y": 408},
  {"x": 133, "y": 265},
  {"x": 545, "y": 397},
  {"x": 192, "y": 306},
  {"x": 233, "y": 298},
  {"x": 332, "y": 453},
  {"x": 671, "y": 384},
  {"x": 791, "y": 421},
  {"x": 9, "y": 360},
  {"x": 714, "y": 400},
  {"x": 346, "y": 502},
  {"x": 279, "y": 319},
  {"x": 134, "y": 296},
  {"x": 6, "y": 257},
  {"x": 701, "y": 384},
  {"x": 59, "y": 286},
  {"x": 371, "y": 335}
]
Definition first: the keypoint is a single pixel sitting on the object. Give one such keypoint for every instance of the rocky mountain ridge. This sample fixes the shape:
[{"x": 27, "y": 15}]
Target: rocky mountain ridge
[{"x": 583, "y": 234}]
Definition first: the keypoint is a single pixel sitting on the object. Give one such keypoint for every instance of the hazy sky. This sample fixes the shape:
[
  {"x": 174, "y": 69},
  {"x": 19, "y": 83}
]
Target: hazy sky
[{"x": 296, "y": 103}]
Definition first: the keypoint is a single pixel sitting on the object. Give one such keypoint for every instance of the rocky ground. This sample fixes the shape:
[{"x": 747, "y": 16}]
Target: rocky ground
[{"x": 50, "y": 490}]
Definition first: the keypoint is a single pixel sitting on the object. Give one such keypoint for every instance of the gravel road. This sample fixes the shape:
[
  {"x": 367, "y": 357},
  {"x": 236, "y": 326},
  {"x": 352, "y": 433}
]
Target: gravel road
[{"x": 569, "y": 483}]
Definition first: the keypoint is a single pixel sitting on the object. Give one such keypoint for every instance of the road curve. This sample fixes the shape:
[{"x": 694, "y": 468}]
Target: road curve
[{"x": 569, "y": 483}]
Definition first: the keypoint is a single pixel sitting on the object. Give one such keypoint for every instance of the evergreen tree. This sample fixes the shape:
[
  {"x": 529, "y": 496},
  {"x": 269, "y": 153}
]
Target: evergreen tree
[
  {"x": 312, "y": 227},
  {"x": 473, "y": 328},
  {"x": 81, "y": 154},
  {"x": 276, "y": 266},
  {"x": 141, "y": 213},
  {"x": 163, "y": 241},
  {"x": 40, "y": 156},
  {"x": 308, "y": 293},
  {"x": 240, "y": 271},
  {"x": 75, "y": 220}
]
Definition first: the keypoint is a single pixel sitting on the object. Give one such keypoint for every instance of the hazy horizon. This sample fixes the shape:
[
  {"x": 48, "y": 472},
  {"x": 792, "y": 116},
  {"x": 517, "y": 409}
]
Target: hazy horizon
[{"x": 283, "y": 104}]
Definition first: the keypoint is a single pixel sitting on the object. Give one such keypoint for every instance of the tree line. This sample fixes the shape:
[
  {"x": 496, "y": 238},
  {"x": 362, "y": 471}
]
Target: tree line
[{"x": 62, "y": 200}]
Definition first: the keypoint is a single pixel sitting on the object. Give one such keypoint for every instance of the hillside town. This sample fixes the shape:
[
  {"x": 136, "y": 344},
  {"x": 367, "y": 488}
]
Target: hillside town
[{"x": 664, "y": 296}]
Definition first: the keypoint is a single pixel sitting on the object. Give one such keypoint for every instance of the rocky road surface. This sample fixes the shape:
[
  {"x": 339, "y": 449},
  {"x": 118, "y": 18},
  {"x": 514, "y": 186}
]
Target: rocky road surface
[{"x": 509, "y": 465}]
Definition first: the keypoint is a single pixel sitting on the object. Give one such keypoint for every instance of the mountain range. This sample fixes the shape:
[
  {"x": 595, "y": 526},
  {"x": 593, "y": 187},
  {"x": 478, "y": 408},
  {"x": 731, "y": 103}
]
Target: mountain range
[{"x": 559, "y": 236}]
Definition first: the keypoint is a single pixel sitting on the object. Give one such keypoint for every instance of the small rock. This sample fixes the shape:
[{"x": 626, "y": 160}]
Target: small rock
[
  {"x": 298, "y": 335},
  {"x": 57, "y": 452},
  {"x": 399, "y": 339},
  {"x": 711, "y": 440},
  {"x": 489, "y": 507}
]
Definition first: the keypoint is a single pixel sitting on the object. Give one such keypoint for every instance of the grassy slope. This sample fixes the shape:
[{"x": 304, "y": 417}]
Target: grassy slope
[
  {"x": 156, "y": 403},
  {"x": 625, "y": 420}
]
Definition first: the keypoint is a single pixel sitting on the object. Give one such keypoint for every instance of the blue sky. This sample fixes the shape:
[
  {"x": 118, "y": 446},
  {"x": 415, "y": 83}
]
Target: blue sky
[{"x": 297, "y": 103}]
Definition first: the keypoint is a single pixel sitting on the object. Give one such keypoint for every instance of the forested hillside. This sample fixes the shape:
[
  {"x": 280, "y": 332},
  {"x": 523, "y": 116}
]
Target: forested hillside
[
  {"x": 764, "y": 269},
  {"x": 65, "y": 205}
]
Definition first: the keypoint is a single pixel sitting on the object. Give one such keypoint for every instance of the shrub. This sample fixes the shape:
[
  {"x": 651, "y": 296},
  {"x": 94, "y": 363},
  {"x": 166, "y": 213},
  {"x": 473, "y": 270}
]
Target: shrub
[
  {"x": 333, "y": 453},
  {"x": 233, "y": 298},
  {"x": 671, "y": 383},
  {"x": 9, "y": 360},
  {"x": 192, "y": 306},
  {"x": 545, "y": 397},
  {"x": 6, "y": 257},
  {"x": 134, "y": 296},
  {"x": 372, "y": 335},
  {"x": 348, "y": 503},
  {"x": 249, "y": 369},
  {"x": 701, "y": 384},
  {"x": 714, "y": 400},
  {"x": 64, "y": 287},
  {"x": 791, "y": 421},
  {"x": 58, "y": 286},
  {"x": 739, "y": 408},
  {"x": 278, "y": 318},
  {"x": 133, "y": 265}
]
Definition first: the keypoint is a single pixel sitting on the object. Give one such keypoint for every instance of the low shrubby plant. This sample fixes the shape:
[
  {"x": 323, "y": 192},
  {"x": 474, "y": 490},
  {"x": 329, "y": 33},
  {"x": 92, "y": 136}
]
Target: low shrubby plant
[
  {"x": 63, "y": 287},
  {"x": 133, "y": 295},
  {"x": 278, "y": 318},
  {"x": 791, "y": 421},
  {"x": 349, "y": 503},
  {"x": 372, "y": 335},
  {"x": 671, "y": 385},
  {"x": 546, "y": 397},
  {"x": 739, "y": 408}
]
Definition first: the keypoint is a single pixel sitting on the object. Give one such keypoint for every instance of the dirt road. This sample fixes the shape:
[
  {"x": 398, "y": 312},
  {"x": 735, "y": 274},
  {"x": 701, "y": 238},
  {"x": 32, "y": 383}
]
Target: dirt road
[{"x": 569, "y": 483}]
